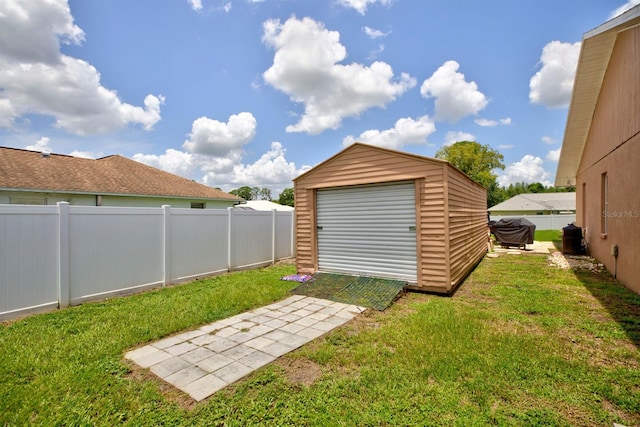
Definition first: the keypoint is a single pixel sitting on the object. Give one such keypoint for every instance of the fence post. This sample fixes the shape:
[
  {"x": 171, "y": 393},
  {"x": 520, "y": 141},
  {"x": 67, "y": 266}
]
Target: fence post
[
  {"x": 166, "y": 240},
  {"x": 229, "y": 234},
  {"x": 273, "y": 236},
  {"x": 293, "y": 232},
  {"x": 63, "y": 255}
]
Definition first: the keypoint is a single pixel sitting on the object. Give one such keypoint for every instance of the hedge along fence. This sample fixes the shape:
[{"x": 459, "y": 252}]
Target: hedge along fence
[{"x": 56, "y": 256}]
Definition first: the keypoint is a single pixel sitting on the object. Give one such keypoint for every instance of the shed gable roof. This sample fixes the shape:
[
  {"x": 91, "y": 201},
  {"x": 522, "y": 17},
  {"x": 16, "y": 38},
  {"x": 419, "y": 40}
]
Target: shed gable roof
[
  {"x": 111, "y": 175},
  {"x": 595, "y": 52},
  {"x": 361, "y": 146}
]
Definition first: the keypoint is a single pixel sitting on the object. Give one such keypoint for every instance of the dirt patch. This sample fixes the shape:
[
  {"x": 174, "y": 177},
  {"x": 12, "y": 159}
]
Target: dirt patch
[
  {"x": 141, "y": 375},
  {"x": 299, "y": 371},
  {"x": 509, "y": 327}
]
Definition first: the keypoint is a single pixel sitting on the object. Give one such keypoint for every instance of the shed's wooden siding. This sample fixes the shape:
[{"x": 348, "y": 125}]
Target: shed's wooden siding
[
  {"x": 362, "y": 164},
  {"x": 467, "y": 224},
  {"x": 432, "y": 231}
]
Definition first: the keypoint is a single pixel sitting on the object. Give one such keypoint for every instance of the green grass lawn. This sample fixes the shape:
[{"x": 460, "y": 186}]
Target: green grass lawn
[
  {"x": 548, "y": 236},
  {"x": 520, "y": 343}
]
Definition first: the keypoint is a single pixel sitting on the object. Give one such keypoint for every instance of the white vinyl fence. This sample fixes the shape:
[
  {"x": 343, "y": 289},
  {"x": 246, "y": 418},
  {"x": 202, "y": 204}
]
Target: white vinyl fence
[
  {"x": 56, "y": 256},
  {"x": 543, "y": 222}
]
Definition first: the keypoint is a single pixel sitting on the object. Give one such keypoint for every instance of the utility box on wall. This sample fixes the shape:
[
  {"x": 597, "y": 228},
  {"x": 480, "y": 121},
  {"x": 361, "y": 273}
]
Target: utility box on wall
[{"x": 379, "y": 212}]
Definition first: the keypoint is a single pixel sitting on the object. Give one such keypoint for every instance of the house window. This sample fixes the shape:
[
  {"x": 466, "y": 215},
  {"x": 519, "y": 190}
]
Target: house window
[
  {"x": 197, "y": 205},
  {"x": 604, "y": 203}
]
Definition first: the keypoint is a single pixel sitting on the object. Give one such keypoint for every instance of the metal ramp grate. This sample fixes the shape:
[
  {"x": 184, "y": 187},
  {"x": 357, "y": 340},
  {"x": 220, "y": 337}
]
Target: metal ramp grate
[{"x": 371, "y": 292}]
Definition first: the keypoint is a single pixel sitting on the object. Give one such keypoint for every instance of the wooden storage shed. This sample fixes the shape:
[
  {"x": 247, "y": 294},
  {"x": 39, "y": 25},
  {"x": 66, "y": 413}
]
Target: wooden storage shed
[{"x": 379, "y": 212}]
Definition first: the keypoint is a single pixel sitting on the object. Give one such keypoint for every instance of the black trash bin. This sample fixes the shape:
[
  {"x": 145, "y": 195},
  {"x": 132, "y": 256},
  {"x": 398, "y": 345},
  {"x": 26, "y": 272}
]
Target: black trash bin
[{"x": 572, "y": 240}]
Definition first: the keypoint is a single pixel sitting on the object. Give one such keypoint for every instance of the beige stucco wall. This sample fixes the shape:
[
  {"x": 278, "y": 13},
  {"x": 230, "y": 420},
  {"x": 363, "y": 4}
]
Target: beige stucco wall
[{"x": 613, "y": 148}]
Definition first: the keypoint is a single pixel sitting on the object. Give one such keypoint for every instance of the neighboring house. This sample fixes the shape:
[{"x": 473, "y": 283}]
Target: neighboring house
[
  {"x": 378, "y": 212},
  {"x": 35, "y": 178},
  {"x": 601, "y": 147},
  {"x": 536, "y": 204},
  {"x": 263, "y": 205}
]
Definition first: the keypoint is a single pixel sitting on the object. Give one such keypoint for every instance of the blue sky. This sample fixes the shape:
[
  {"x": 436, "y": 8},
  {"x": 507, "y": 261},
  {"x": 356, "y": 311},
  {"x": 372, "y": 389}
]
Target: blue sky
[{"x": 248, "y": 92}]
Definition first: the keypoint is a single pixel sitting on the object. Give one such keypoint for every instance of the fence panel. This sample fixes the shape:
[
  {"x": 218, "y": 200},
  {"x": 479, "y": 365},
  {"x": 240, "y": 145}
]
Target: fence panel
[
  {"x": 63, "y": 255},
  {"x": 252, "y": 241},
  {"x": 284, "y": 235},
  {"x": 114, "y": 249},
  {"x": 28, "y": 259},
  {"x": 199, "y": 242},
  {"x": 543, "y": 222}
]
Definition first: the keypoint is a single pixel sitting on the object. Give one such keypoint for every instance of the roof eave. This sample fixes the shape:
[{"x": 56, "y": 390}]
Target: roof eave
[
  {"x": 94, "y": 193},
  {"x": 595, "y": 52}
]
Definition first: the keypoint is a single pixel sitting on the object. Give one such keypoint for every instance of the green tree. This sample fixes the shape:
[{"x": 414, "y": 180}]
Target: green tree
[
  {"x": 265, "y": 194},
  {"x": 254, "y": 193},
  {"x": 286, "y": 197},
  {"x": 244, "y": 192},
  {"x": 478, "y": 162},
  {"x": 536, "y": 187}
]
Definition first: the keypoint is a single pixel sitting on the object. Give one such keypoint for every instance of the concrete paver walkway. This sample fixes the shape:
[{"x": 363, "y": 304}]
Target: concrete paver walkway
[
  {"x": 536, "y": 248},
  {"x": 202, "y": 361}
]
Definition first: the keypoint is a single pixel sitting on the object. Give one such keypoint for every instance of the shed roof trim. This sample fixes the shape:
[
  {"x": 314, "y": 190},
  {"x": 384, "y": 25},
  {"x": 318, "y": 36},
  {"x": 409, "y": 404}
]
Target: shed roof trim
[
  {"x": 387, "y": 150},
  {"x": 595, "y": 52}
]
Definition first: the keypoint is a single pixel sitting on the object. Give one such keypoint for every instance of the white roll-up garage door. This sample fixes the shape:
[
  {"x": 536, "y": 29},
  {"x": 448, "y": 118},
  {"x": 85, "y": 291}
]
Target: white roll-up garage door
[{"x": 368, "y": 230}]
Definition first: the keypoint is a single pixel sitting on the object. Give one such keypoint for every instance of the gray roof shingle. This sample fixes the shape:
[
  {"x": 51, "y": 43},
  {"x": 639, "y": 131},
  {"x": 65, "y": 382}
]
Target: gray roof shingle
[{"x": 538, "y": 202}]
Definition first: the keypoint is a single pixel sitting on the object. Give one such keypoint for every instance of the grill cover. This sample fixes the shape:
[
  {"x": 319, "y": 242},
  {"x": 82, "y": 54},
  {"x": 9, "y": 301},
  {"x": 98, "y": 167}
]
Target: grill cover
[{"x": 513, "y": 231}]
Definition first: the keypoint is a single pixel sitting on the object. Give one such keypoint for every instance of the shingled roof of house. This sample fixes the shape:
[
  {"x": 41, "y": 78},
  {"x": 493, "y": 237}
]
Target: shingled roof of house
[{"x": 111, "y": 175}]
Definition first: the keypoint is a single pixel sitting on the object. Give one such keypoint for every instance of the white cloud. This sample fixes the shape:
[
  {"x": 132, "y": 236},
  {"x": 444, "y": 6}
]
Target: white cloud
[
  {"x": 214, "y": 155},
  {"x": 174, "y": 161},
  {"x": 374, "y": 34},
  {"x": 552, "y": 85},
  {"x": 271, "y": 169},
  {"x": 493, "y": 123},
  {"x": 506, "y": 146},
  {"x": 406, "y": 131},
  {"x": 87, "y": 154},
  {"x": 529, "y": 169},
  {"x": 622, "y": 9},
  {"x": 547, "y": 140},
  {"x": 31, "y": 31},
  {"x": 209, "y": 136},
  {"x": 452, "y": 137},
  {"x": 455, "y": 97},
  {"x": 553, "y": 155},
  {"x": 36, "y": 78},
  {"x": 41, "y": 145},
  {"x": 306, "y": 67},
  {"x": 361, "y": 5},
  {"x": 376, "y": 52},
  {"x": 195, "y": 4}
]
